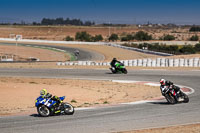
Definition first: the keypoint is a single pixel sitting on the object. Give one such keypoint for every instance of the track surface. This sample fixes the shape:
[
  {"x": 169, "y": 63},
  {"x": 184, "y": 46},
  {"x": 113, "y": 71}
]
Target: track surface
[
  {"x": 84, "y": 55},
  {"x": 113, "y": 118}
]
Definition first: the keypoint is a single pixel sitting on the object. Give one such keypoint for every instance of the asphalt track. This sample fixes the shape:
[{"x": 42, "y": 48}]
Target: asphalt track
[
  {"x": 109, "y": 118},
  {"x": 84, "y": 54}
]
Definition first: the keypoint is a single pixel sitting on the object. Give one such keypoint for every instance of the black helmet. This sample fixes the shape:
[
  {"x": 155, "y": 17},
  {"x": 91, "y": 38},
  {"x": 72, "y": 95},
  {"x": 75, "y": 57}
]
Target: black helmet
[{"x": 114, "y": 59}]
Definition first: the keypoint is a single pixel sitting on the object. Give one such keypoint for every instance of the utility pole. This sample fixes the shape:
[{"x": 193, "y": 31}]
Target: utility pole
[
  {"x": 109, "y": 30},
  {"x": 16, "y": 38}
]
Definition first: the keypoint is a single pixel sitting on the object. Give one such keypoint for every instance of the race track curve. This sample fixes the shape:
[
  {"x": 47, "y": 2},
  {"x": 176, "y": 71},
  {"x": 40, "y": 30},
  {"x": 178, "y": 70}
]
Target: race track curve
[{"x": 110, "y": 118}]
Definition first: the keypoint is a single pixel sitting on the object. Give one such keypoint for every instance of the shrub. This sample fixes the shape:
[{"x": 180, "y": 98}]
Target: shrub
[
  {"x": 68, "y": 38},
  {"x": 173, "y": 48},
  {"x": 142, "y": 36},
  {"x": 97, "y": 38},
  {"x": 168, "y": 37},
  {"x": 73, "y": 101},
  {"x": 194, "y": 38},
  {"x": 187, "y": 49},
  {"x": 113, "y": 37},
  {"x": 197, "y": 47},
  {"x": 83, "y": 36},
  {"x": 127, "y": 38},
  {"x": 124, "y": 39}
]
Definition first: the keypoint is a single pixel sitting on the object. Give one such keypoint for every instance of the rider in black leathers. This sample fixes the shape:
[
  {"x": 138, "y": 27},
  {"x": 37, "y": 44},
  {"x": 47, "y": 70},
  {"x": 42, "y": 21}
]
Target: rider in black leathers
[
  {"x": 168, "y": 84},
  {"x": 113, "y": 63}
]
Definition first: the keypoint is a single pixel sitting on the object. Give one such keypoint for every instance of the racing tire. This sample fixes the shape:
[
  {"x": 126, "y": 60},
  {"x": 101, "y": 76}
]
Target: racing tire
[
  {"x": 170, "y": 99},
  {"x": 125, "y": 71},
  {"x": 68, "y": 109},
  {"x": 113, "y": 71},
  {"x": 43, "y": 111},
  {"x": 186, "y": 98}
]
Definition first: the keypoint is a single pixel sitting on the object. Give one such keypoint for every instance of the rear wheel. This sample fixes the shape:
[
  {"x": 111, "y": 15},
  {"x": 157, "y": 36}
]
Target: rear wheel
[
  {"x": 113, "y": 70},
  {"x": 186, "y": 98},
  {"x": 68, "y": 109},
  {"x": 43, "y": 111}
]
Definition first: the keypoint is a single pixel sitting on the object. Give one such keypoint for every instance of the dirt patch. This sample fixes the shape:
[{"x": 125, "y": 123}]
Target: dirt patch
[
  {"x": 21, "y": 53},
  {"x": 18, "y": 94}
]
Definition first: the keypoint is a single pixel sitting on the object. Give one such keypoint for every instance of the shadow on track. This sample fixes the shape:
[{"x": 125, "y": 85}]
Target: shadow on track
[
  {"x": 161, "y": 103},
  {"x": 34, "y": 115},
  {"x": 108, "y": 73}
]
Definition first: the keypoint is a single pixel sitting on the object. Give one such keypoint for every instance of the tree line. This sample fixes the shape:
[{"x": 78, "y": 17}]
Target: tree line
[
  {"x": 56, "y": 21},
  {"x": 195, "y": 29},
  {"x": 138, "y": 36},
  {"x": 172, "y": 49},
  {"x": 61, "y": 21}
]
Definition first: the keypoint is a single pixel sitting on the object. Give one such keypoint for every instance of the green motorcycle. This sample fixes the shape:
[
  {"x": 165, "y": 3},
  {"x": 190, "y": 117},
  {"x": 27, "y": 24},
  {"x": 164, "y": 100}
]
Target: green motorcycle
[{"x": 119, "y": 68}]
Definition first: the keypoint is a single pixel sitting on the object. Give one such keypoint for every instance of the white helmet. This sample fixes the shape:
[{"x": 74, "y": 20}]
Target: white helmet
[{"x": 162, "y": 81}]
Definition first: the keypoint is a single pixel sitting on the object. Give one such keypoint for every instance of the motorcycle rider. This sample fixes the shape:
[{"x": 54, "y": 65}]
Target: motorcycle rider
[
  {"x": 166, "y": 84},
  {"x": 45, "y": 95},
  {"x": 113, "y": 62}
]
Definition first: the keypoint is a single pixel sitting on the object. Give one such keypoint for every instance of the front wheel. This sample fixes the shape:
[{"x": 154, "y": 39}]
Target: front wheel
[
  {"x": 68, "y": 109},
  {"x": 170, "y": 99},
  {"x": 43, "y": 111},
  {"x": 125, "y": 71}
]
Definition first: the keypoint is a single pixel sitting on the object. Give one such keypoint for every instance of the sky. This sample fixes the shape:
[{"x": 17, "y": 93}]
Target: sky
[{"x": 103, "y": 11}]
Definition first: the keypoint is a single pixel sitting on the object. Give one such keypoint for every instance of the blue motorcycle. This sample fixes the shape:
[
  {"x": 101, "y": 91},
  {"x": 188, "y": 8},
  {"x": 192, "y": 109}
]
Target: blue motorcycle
[{"x": 46, "y": 107}]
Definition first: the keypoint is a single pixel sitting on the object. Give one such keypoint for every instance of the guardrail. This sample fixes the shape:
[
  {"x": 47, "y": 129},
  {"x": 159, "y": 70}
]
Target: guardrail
[{"x": 158, "y": 62}]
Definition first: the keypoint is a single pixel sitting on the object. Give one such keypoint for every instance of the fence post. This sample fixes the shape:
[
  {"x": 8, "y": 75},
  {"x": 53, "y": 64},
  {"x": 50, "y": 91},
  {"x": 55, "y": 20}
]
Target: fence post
[
  {"x": 139, "y": 62},
  {"x": 158, "y": 62},
  {"x": 191, "y": 62},
  {"x": 181, "y": 62},
  {"x": 149, "y": 61},
  {"x": 163, "y": 64},
  {"x": 144, "y": 63},
  {"x": 135, "y": 61},
  {"x": 176, "y": 62},
  {"x": 196, "y": 61},
  {"x": 171, "y": 62}
]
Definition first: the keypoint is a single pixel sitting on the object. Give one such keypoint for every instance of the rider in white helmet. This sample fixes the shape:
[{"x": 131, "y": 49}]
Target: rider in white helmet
[{"x": 164, "y": 84}]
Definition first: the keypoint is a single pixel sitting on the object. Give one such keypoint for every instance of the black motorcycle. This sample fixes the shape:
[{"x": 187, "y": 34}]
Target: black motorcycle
[{"x": 174, "y": 97}]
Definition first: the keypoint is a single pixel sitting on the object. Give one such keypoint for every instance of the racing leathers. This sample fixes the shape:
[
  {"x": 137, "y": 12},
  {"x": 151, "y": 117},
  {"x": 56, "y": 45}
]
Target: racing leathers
[{"x": 169, "y": 85}]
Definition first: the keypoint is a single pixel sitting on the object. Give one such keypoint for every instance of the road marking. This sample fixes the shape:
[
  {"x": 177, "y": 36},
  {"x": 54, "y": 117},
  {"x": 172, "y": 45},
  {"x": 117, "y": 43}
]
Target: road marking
[
  {"x": 152, "y": 84},
  {"x": 125, "y": 81}
]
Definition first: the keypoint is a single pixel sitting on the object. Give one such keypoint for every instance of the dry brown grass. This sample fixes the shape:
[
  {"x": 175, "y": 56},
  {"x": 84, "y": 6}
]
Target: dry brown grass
[
  {"x": 60, "y": 32},
  {"x": 81, "y": 93}
]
